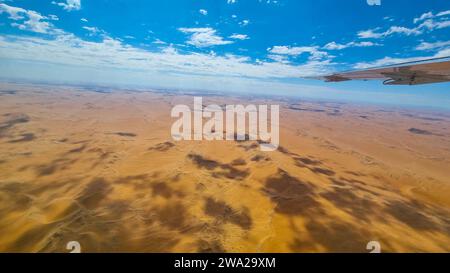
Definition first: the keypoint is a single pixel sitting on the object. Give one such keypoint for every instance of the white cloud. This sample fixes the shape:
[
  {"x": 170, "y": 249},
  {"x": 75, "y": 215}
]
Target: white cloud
[
  {"x": 194, "y": 29},
  {"x": 269, "y": 1},
  {"x": 231, "y": 1},
  {"x": 244, "y": 22},
  {"x": 336, "y": 46},
  {"x": 69, "y": 5},
  {"x": 402, "y": 30},
  {"x": 432, "y": 25},
  {"x": 443, "y": 13},
  {"x": 430, "y": 15},
  {"x": 424, "y": 16},
  {"x": 319, "y": 55},
  {"x": 33, "y": 21},
  {"x": 84, "y": 20},
  {"x": 14, "y": 13},
  {"x": 67, "y": 50},
  {"x": 294, "y": 51},
  {"x": 314, "y": 53},
  {"x": 203, "y": 12},
  {"x": 159, "y": 42},
  {"x": 93, "y": 30},
  {"x": 390, "y": 61},
  {"x": 433, "y": 21},
  {"x": 239, "y": 37},
  {"x": 53, "y": 17},
  {"x": 278, "y": 58},
  {"x": 111, "y": 53},
  {"x": 430, "y": 46},
  {"x": 428, "y": 20},
  {"x": 371, "y": 33},
  {"x": 204, "y": 37},
  {"x": 385, "y": 61}
]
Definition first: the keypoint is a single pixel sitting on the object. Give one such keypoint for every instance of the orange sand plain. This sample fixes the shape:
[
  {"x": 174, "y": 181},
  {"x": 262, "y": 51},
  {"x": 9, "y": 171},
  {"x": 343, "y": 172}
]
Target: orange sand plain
[{"x": 80, "y": 164}]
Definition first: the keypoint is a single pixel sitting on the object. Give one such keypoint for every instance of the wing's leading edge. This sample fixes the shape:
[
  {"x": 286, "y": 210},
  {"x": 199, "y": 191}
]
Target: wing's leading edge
[{"x": 412, "y": 73}]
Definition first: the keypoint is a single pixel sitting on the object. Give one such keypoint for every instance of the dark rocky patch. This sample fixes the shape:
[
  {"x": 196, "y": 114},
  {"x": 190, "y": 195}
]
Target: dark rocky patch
[
  {"x": 173, "y": 216},
  {"x": 338, "y": 236},
  {"x": 238, "y": 162},
  {"x": 355, "y": 173},
  {"x": 323, "y": 171},
  {"x": 213, "y": 246},
  {"x": 202, "y": 162},
  {"x": 52, "y": 167},
  {"x": 101, "y": 90},
  {"x": 298, "y": 108},
  {"x": 354, "y": 181},
  {"x": 56, "y": 185},
  {"x": 292, "y": 196},
  {"x": 411, "y": 213},
  {"x": 94, "y": 193},
  {"x": 302, "y": 161},
  {"x": 347, "y": 200},
  {"x": 225, "y": 170},
  {"x": 7, "y": 92},
  {"x": 423, "y": 118},
  {"x": 13, "y": 120},
  {"x": 125, "y": 134},
  {"x": 283, "y": 150},
  {"x": 419, "y": 131},
  {"x": 131, "y": 178},
  {"x": 335, "y": 113},
  {"x": 77, "y": 150},
  {"x": 24, "y": 138},
  {"x": 258, "y": 158},
  {"x": 223, "y": 213},
  {"x": 247, "y": 148},
  {"x": 162, "y": 147},
  {"x": 231, "y": 173},
  {"x": 161, "y": 189}
]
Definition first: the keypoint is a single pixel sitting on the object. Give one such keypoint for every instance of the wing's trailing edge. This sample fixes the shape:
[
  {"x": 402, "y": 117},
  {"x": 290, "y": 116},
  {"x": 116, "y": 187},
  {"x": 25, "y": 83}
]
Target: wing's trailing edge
[{"x": 411, "y": 73}]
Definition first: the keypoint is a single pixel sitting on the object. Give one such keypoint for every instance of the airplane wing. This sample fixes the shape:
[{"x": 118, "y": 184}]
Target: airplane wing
[{"x": 411, "y": 73}]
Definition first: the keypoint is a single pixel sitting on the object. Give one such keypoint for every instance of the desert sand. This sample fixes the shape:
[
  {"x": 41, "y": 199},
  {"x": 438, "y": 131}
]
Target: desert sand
[{"x": 99, "y": 166}]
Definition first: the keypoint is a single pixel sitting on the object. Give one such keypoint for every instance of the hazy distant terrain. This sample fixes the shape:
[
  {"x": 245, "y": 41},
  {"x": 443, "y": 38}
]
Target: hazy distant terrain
[{"x": 100, "y": 167}]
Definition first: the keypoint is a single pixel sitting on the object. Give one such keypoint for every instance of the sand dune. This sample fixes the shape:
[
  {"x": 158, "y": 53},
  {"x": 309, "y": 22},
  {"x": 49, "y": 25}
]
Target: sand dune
[{"x": 101, "y": 168}]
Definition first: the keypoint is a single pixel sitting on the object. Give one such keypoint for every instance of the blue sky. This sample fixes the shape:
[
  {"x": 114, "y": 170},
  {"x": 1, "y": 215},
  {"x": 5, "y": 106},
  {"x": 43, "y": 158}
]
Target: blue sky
[{"x": 245, "y": 46}]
